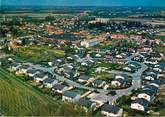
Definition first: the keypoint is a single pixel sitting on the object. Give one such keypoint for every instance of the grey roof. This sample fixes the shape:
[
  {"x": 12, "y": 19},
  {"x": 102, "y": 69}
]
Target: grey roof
[
  {"x": 120, "y": 80},
  {"x": 49, "y": 80},
  {"x": 70, "y": 94},
  {"x": 85, "y": 102},
  {"x": 24, "y": 67},
  {"x": 14, "y": 64},
  {"x": 158, "y": 82},
  {"x": 32, "y": 71},
  {"x": 151, "y": 88},
  {"x": 110, "y": 108},
  {"x": 149, "y": 92},
  {"x": 40, "y": 75},
  {"x": 98, "y": 82},
  {"x": 84, "y": 77},
  {"x": 58, "y": 86},
  {"x": 142, "y": 102},
  {"x": 124, "y": 75}
]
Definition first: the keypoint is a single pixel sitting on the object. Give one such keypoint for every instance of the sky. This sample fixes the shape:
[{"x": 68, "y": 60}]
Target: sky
[{"x": 85, "y": 2}]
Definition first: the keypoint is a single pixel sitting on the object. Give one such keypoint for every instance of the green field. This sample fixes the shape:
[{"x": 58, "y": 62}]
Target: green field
[
  {"x": 105, "y": 76},
  {"x": 20, "y": 98},
  {"x": 160, "y": 48},
  {"x": 37, "y": 54}
]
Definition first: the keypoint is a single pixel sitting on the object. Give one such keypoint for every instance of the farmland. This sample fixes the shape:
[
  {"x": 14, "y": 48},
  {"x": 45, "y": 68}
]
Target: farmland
[
  {"x": 37, "y": 54},
  {"x": 19, "y": 98}
]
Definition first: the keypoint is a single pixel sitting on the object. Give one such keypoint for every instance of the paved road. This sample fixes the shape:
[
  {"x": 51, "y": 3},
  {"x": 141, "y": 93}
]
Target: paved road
[
  {"x": 136, "y": 82},
  {"x": 62, "y": 78}
]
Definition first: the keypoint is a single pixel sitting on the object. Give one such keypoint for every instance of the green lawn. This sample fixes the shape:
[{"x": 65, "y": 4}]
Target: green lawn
[
  {"x": 160, "y": 48},
  {"x": 37, "y": 54},
  {"x": 19, "y": 98},
  {"x": 105, "y": 76},
  {"x": 110, "y": 66}
]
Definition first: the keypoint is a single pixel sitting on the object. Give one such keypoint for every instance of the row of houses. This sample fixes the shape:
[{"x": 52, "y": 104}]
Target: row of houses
[
  {"x": 146, "y": 96},
  {"x": 57, "y": 87}
]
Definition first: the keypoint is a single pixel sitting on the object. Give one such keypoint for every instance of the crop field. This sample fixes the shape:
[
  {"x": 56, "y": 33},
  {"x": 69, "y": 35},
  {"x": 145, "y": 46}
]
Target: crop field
[
  {"x": 18, "y": 98},
  {"x": 38, "y": 54}
]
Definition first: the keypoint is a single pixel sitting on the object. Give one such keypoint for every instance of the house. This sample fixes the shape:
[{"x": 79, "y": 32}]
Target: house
[
  {"x": 88, "y": 62},
  {"x": 23, "y": 69},
  {"x": 49, "y": 82},
  {"x": 83, "y": 78},
  {"x": 159, "y": 68},
  {"x": 71, "y": 73},
  {"x": 120, "y": 61},
  {"x": 150, "y": 76},
  {"x": 119, "y": 56},
  {"x": 151, "y": 61},
  {"x": 32, "y": 72},
  {"x": 58, "y": 62},
  {"x": 76, "y": 58},
  {"x": 129, "y": 69},
  {"x": 40, "y": 77},
  {"x": 118, "y": 82},
  {"x": 98, "y": 83},
  {"x": 155, "y": 83},
  {"x": 139, "y": 104},
  {"x": 147, "y": 95},
  {"x": 89, "y": 43},
  {"x": 134, "y": 65},
  {"x": 138, "y": 58},
  {"x": 155, "y": 56},
  {"x": 71, "y": 96},
  {"x": 111, "y": 111},
  {"x": 59, "y": 88},
  {"x": 14, "y": 66},
  {"x": 147, "y": 49},
  {"x": 152, "y": 88},
  {"x": 98, "y": 99},
  {"x": 86, "y": 103},
  {"x": 121, "y": 76}
]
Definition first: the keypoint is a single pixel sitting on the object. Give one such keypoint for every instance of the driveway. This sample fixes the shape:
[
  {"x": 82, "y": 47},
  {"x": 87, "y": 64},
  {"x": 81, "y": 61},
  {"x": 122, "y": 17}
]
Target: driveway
[{"x": 136, "y": 82}]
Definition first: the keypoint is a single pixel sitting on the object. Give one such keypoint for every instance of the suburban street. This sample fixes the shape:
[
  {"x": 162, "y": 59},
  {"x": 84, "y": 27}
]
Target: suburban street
[{"x": 136, "y": 82}]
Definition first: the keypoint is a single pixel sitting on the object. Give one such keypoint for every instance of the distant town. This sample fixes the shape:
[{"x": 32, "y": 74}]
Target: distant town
[{"x": 85, "y": 61}]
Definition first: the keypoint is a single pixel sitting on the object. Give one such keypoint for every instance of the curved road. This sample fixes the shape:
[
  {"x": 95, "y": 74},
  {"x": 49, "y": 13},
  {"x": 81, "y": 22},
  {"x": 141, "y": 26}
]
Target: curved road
[{"x": 136, "y": 82}]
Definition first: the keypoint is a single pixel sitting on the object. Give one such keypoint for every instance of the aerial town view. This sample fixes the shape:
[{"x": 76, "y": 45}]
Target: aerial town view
[{"x": 100, "y": 58}]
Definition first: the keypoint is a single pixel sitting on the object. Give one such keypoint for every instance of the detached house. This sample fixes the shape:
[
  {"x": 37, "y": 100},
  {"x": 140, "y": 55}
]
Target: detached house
[
  {"x": 118, "y": 82},
  {"x": 155, "y": 83},
  {"x": 32, "y": 72},
  {"x": 86, "y": 103},
  {"x": 129, "y": 69},
  {"x": 155, "y": 56},
  {"x": 14, "y": 66},
  {"x": 71, "y": 96},
  {"x": 49, "y": 82},
  {"x": 147, "y": 95},
  {"x": 89, "y": 43},
  {"x": 159, "y": 68},
  {"x": 111, "y": 111},
  {"x": 150, "y": 76},
  {"x": 83, "y": 78},
  {"x": 98, "y": 83},
  {"x": 40, "y": 77},
  {"x": 23, "y": 69},
  {"x": 139, "y": 104},
  {"x": 59, "y": 88},
  {"x": 151, "y": 61}
]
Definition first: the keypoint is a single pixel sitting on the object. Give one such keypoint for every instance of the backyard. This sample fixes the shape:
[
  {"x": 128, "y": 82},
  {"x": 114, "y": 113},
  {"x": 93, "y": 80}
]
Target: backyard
[{"x": 37, "y": 54}]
